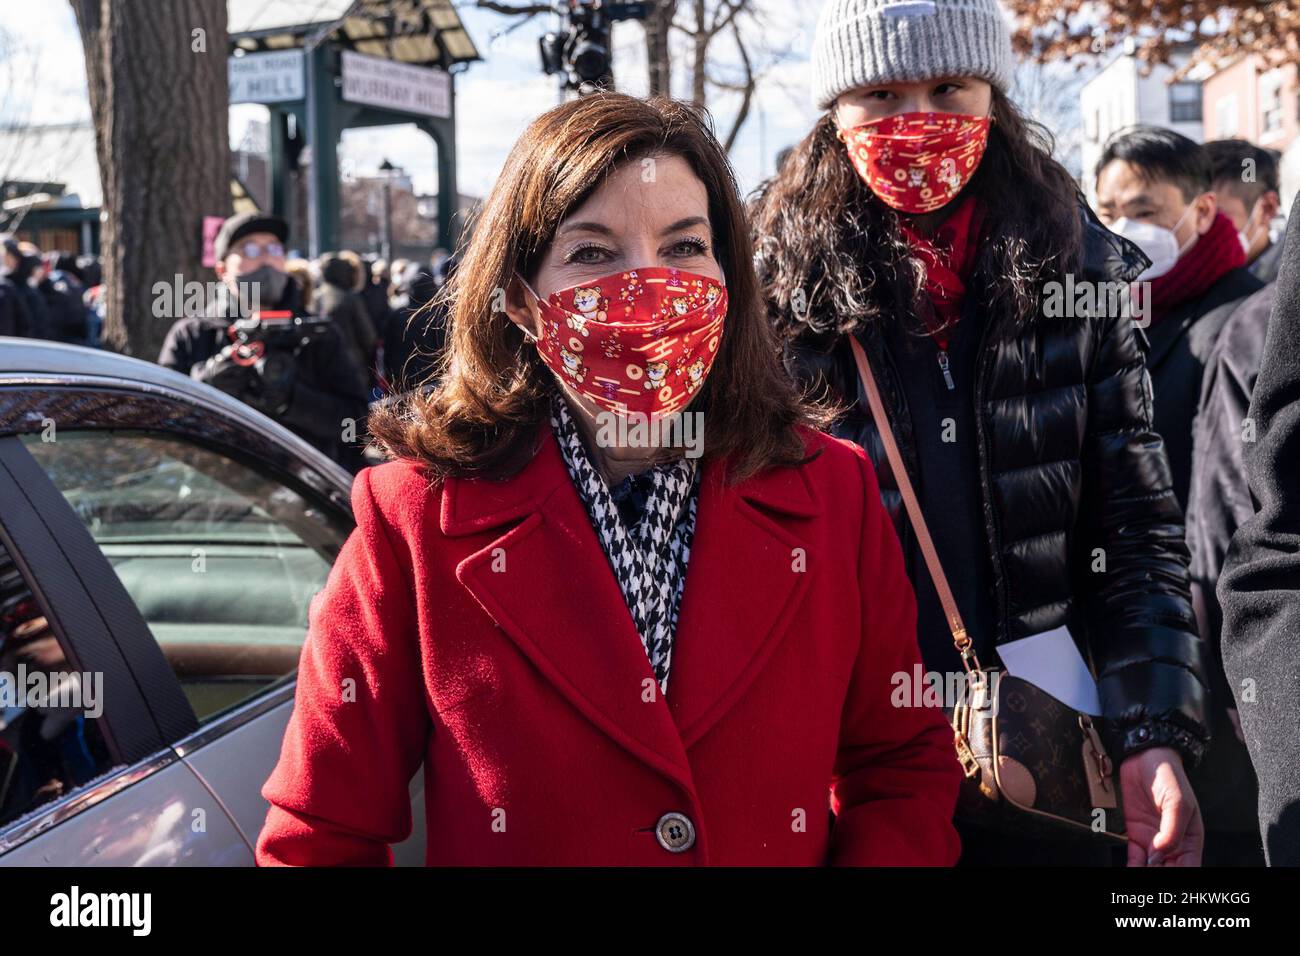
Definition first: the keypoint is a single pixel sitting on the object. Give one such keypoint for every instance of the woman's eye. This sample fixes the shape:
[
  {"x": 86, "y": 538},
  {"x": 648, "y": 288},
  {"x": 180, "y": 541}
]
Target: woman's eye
[
  {"x": 943, "y": 89},
  {"x": 587, "y": 254},
  {"x": 879, "y": 95},
  {"x": 690, "y": 247}
]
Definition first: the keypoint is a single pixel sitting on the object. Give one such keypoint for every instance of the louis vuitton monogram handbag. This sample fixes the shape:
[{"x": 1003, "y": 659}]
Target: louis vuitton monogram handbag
[{"x": 1032, "y": 763}]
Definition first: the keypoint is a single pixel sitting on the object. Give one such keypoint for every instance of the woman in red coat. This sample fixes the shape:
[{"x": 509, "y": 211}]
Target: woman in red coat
[{"x": 609, "y": 641}]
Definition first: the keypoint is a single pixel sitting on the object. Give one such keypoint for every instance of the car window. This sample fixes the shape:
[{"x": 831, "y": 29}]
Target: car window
[
  {"x": 221, "y": 559},
  {"x": 50, "y": 740}
]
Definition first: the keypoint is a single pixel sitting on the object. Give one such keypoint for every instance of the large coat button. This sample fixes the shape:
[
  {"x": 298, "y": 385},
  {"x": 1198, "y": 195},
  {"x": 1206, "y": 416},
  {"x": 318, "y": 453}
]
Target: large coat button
[{"x": 675, "y": 833}]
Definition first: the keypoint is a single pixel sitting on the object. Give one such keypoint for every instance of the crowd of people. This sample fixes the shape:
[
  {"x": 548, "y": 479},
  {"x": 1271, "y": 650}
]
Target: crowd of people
[
  {"x": 1004, "y": 472},
  {"x": 378, "y": 337},
  {"x": 52, "y": 295},
  {"x": 375, "y": 335}
]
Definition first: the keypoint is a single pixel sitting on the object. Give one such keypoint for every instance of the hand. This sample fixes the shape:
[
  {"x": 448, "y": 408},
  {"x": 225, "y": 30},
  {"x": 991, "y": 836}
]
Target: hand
[
  {"x": 1160, "y": 810},
  {"x": 276, "y": 373},
  {"x": 221, "y": 371}
]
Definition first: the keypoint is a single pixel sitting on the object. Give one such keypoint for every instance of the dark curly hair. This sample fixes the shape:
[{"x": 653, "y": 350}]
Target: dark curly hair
[{"x": 831, "y": 258}]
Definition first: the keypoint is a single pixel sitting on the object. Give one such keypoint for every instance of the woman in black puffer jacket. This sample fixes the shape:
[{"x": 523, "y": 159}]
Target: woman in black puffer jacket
[{"x": 956, "y": 252}]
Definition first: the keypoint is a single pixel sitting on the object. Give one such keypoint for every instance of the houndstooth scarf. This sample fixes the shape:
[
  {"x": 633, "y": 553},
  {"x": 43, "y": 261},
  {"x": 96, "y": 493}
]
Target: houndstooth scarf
[{"x": 649, "y": 559}]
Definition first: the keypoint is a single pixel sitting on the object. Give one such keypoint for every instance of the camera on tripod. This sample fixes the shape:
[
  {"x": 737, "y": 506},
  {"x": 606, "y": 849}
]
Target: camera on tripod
[{"x": 581, "y": 52}]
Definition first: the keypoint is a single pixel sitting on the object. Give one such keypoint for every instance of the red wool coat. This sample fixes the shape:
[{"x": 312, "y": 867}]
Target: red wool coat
[{"x": 486, "y": 637}]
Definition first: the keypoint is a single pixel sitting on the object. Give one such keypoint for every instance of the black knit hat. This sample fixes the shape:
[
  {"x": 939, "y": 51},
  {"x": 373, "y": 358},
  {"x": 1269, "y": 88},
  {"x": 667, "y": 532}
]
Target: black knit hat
[{"x": 245, "y": 224}]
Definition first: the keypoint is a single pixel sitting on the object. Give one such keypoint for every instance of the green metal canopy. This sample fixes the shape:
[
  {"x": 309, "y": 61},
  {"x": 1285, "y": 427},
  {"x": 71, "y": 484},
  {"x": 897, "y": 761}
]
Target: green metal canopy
[{"x": 420, "y": 32}]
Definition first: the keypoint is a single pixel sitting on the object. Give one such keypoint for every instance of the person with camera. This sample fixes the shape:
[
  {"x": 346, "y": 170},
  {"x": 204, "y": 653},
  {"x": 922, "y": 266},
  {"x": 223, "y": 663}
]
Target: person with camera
[{"x": 310, "y": 384}]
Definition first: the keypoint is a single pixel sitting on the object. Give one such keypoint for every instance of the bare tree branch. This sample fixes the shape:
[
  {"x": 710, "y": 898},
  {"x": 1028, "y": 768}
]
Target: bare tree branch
[
  {"x": 513, "y": 9},
  {"x": 658, "y": 55},
  {"x": 747, "y": 97},
  {"x": 700, "y": 40},
  {"x": 720, "y": 24}
]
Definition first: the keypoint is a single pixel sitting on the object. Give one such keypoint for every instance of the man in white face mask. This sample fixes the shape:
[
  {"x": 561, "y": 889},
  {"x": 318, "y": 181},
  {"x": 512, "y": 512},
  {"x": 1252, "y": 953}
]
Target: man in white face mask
[
  {"x": 1153, "y": 188},
  {"x": 1246, "y": 186},
  {"x": 1221, "y": 499},
  {"x": 1163, "y": 211}
]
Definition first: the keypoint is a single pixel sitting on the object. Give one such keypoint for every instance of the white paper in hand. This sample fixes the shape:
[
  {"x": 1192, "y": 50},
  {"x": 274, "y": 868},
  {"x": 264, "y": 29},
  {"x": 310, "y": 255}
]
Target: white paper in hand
[{"x": 1051, "y": 662}]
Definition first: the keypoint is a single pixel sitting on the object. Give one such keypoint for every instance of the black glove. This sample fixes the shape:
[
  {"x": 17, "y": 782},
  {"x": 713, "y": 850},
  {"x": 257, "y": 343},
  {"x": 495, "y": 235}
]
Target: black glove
[
  {"x": 273, "y": 390},
  {"x": 266, "y": 384},
  {"x": 221, "y": 371}
]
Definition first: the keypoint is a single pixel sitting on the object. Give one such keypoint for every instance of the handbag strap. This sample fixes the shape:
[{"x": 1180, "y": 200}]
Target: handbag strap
[{"x": 956, "y": 625}]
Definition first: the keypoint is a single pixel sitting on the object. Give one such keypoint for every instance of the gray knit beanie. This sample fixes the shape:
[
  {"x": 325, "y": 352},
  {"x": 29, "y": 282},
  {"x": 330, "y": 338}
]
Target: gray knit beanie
[{"x": 869, "y": 42}]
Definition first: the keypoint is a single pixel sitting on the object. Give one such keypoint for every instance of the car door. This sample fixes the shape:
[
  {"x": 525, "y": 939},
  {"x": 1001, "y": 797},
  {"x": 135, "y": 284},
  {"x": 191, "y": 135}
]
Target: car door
[
  {"x": 95, "y": 784},
  {"x": 217, "y": 528}
]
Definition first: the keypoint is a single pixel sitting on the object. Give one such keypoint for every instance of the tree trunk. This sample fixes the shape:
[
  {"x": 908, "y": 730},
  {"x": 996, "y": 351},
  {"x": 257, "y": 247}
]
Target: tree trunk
[
  {"x": 159, "y": 99},
  {"x": 657, "y": 27}
]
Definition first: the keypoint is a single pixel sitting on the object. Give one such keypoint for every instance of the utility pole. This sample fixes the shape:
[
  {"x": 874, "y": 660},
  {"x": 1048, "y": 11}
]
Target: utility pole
[{"x": 386, "y": 240}]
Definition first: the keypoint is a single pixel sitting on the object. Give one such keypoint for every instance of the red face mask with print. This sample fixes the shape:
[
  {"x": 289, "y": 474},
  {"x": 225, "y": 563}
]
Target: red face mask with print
[
  {"x": 637, "y": 341},
  {"x": 918, "y": 162}
]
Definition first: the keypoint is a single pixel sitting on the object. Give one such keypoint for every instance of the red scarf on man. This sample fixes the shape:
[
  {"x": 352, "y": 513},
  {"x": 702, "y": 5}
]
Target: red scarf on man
[
  {"x": 1211, "y": 257},
  {"x": 948, "y": 257}
]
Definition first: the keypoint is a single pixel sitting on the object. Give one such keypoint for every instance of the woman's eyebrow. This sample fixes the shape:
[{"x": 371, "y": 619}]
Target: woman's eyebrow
[
  {"x": 585, "y": 226},
  {"x": 687, "y": 223}
]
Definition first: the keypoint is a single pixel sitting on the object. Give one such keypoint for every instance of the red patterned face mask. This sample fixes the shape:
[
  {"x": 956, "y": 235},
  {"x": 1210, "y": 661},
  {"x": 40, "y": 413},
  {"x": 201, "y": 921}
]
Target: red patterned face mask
[
  {"x": 917, "y": 162},
  {"x": 638, "y": 341}
]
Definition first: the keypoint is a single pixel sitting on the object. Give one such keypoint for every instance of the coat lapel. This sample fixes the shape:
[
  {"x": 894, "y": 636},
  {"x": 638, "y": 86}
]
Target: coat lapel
[
  {"x": 557, "y": 598},
  {"x": 546, "y": 582},
  {"x": 742, "y": 588}
]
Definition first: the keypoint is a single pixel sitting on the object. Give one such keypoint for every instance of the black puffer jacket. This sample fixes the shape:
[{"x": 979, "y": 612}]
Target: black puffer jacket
[{"x": 1068, "y": 463}]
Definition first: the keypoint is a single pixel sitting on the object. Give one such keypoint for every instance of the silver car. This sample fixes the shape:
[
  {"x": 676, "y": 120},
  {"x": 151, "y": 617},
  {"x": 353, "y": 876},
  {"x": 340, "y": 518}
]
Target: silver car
[{"x": 160, "y": 543}]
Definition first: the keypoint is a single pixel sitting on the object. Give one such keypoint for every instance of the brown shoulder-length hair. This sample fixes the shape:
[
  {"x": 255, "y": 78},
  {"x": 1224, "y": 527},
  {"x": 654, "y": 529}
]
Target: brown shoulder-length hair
[
  {"x": 482, "y": 419},
  {"x": 832, "y": 257}
]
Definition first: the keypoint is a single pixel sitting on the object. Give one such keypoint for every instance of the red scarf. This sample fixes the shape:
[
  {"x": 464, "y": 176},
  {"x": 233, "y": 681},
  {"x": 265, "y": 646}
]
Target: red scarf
[
  {"x": 948, "y": 257},
  {"x": 1211, "y": 257}
]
